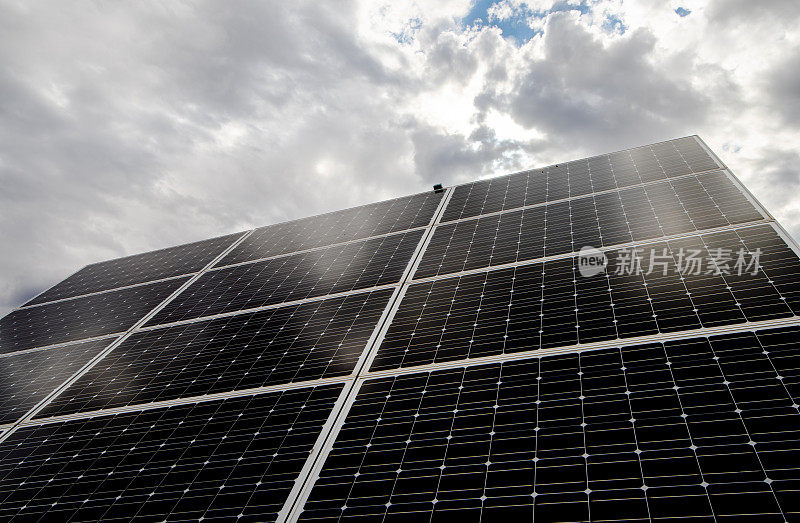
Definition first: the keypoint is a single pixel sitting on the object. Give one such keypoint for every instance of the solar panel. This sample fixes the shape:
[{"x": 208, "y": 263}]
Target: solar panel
[
  {"x": 230, "y": 459},
  {"x": 452, "y": 354},
  {"x": 139, "y": 268},
  {"x": 335, "y": 269},
  {"x": 578, "y": 178},
  {"x": 28, "y": 377},
  {"x": 674, "y": 207},
  {"x": 351, "y": 224},
  {"x": 289, "y": 344},
  {"x": 81, "y": 318},
  {"x": 550, "y": 304},
  {"x": 648, "y": 432}
]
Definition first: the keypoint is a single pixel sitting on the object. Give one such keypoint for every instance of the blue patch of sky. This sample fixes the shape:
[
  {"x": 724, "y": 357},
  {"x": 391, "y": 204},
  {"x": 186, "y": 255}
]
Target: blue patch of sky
[
  {"x": 409, "y": 32},
  {"x": 516, "y": 27},
  {"x": 682, "y": 12},
  {"x": 614, "y": 24}
]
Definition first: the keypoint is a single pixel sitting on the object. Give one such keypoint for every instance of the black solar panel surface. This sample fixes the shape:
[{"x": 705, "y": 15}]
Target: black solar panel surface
[
  {"x": 685, "y": 430},
  {"x": 155, "y": 265},
  {"x": 28, "y": 377},
  {"x": 288, "y": 344},
  {"x": 85, "y": 317},
  {"x": 341, "y": 226},
  {"x": 550, "y": 304},
  {"x": 210, "y": 461},
  {"x": 700, "y": 429},
  {"x": 336, "y": 269},
  {"x": 600, "y": 173},
  {"x": 642, "y": 213}
]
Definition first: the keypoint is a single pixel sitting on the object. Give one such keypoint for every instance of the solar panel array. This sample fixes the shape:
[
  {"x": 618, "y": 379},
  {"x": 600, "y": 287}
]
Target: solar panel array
[{"x": 438, "y": 356}]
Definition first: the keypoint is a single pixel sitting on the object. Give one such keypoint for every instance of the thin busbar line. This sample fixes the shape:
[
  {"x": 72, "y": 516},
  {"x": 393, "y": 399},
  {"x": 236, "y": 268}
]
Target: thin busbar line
[
  {"x": 94, "y": 361},
  {"x": 692, "y": 447}
]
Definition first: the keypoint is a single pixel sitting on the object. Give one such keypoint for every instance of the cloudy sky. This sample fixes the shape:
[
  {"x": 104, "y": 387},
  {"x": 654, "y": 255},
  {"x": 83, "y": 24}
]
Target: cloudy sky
[{"x": 127, "y": 127}]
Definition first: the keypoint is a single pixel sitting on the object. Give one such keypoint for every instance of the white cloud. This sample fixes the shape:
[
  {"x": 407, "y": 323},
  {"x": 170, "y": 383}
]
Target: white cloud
[{"x": 127, "y": 127}]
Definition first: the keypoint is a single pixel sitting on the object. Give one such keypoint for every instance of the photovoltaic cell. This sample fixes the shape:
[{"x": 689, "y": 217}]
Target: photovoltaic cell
[
  {"x": 600, "y": 173},
  {"x": 233, "y": 460},
  {"x": 139, "y": 268},
  {"x": 641, "y": 213},
  {"x": 673, "y": 431},
  {"x": 336, "y": 269},
  {"x": 336, "y": 227},
  {"x": 288, "y": 344},
  {"x": 28, "y": 377},
  {"x": 85, "y": 317},
  {"x": 550, "y": 304}
]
